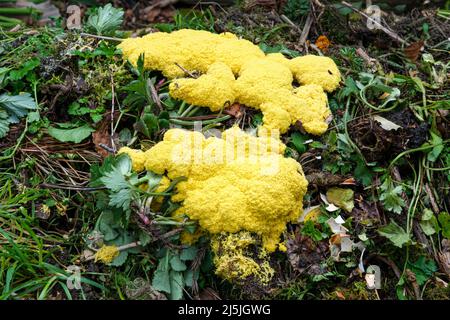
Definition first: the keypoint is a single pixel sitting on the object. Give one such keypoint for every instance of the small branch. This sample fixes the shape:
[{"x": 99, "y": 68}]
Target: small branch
[
  {"x": 306, "y": 28},
  {"x": 83, "y": 34},
  {"x": 75, "y": 188},
  {"x": 289, "y": 21},
  {"x": 109, "y": 149},
  {"x": 432, "y": 199},
  {"x": 121, "y": 248},
  {"x": 389, "y": 32},
  {"x": 154, "y": 94},
  {"x": 186, "y": 71}
]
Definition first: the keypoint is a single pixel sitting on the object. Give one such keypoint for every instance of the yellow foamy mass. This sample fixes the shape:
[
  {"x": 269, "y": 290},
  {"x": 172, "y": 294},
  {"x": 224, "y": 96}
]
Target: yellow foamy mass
[
  {"x": 234, "y": 183},
  {"x": 236, "y": 70}
]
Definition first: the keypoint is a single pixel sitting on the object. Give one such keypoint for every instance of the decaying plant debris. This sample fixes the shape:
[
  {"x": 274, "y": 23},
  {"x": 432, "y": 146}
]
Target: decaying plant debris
[{"x": 87, "y": 130}]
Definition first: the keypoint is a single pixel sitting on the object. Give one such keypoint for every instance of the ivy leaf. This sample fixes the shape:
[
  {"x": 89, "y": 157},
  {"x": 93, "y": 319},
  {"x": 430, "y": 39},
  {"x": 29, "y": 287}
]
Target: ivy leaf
[
  {"x": 395, "y": 233},
  {"x": 75, "y": 135},
  {"x": 17, "y": 106},
  {"x": 106, "y": 20}
]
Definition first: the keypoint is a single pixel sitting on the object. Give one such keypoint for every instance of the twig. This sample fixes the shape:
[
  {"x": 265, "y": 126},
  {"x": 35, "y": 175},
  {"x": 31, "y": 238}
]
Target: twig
[
  {"x": 104, "y": 146},
  {"x": 121, "y": 248},
  {"x": 289, "y": 21},
  {"x": 371, "y": 62},
  {"x": 432, "y": 200},
  {"x": 186, "y": 71},
  {"x": 113, "y": 145},
  {"x": 154, "y": 94},
  {"x": 389, "y": 32},
  {"x": 75, "y": 188},
  {"x": 306, "y": 29},
  {"x": 83, "y": 34}
]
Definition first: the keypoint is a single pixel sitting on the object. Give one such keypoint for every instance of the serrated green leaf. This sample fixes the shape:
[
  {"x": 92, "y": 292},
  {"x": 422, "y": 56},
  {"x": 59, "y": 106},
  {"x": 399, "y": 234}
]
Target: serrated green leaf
[
  {"x": 188, "y": 254},
  {"x": 423, "y": 269},
  {"x": 177, "y": 264},
  {"x": 395, "y": 233},
  {"x": 75, "y": 135},
  {"x": 4, "y": 127},
  {"x": 391, "y": 197},
  {"x": 190, "y": 276},
  {"x": 176, "y": 285},
  {"x": 120, "y": 259},
  {"x": 161, "y": 277},
  {"x": 106, "y": 20},
  {"x": 17, "y": 106}
]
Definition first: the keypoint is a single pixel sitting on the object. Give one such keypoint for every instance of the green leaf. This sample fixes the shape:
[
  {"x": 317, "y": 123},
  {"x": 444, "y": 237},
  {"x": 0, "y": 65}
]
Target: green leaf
[
  {"x": 423, "y": 269},
  {"x": 120, "y": 259},
  {"x": 444, "y": 220},
  {"x": 75, "y": 135},
  {"x": 343, "y": 198},
  {"x": 429, "y": 223},
  {"x": 188, "y": 254},
  {"x": 390, "y": 196},
  {"x": 4, "y": 123},
  {"x": 161, "y": 279},
  {"x": 24, "y": 69},
  {"x": 17, "y": 106},
  {"x": 176, "y": 285},
  {"x": 144, "y": 238},
  {"x": 177, "y": 264},
  {"x": 107, "y": 225},
  {"x": 395, "y": 233},
  {"x": 436, "y": 151},
  {"x": 106, "y": 20},
  {"x": 311, "y": 231},
  {"x": 190, "y": 276},
  {"x": 362, "y": 172},
  {"x": 298, "y": 141}
]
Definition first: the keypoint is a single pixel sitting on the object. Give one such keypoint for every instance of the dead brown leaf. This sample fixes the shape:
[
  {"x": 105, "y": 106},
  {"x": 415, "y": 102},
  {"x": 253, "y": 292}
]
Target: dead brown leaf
[
  {"x": 102, "y": 136},
  {"x": 413, "y": 51},
  {"x": 234, "y": 110}
]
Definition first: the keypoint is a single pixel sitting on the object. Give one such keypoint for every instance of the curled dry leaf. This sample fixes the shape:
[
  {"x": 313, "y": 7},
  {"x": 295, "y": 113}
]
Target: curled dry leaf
[{"x": 412, "y": 51}]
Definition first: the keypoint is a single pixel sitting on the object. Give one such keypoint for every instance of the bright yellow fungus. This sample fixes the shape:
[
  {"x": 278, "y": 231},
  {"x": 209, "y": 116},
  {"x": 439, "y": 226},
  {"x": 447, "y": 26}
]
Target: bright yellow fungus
[
  {"x": 234, "y": 183},
  {"x": 235, "y": 258},
  {"x": 106, "y": 254},
  {"x": 236, "y": 70}
]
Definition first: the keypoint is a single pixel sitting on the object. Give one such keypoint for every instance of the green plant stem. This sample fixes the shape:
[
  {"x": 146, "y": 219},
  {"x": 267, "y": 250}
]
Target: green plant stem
[{"x": 192, "y": 123}]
